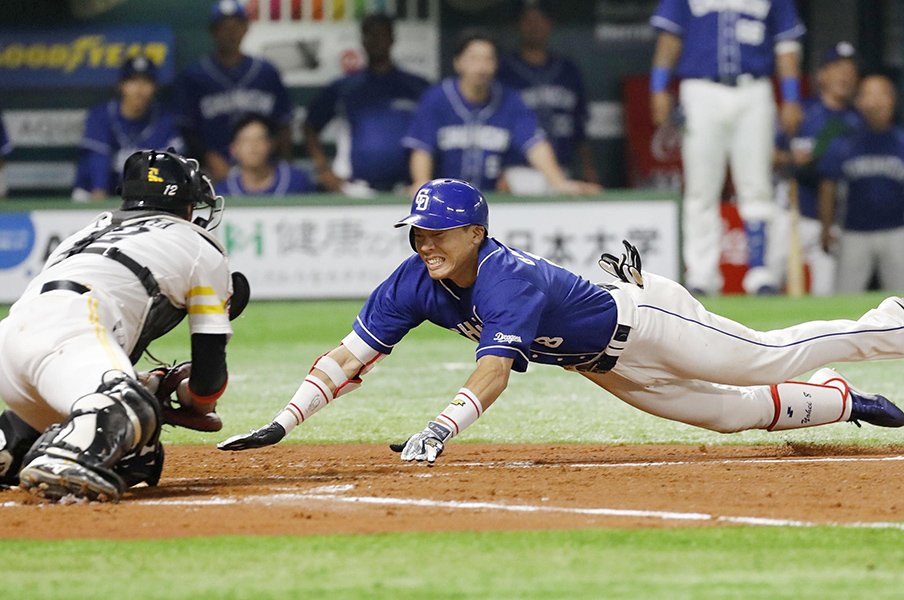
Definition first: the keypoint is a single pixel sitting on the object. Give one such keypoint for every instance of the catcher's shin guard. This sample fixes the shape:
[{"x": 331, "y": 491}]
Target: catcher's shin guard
[
  {"x": 16, "y": 437},
  {"x": 78, "y": 456}
]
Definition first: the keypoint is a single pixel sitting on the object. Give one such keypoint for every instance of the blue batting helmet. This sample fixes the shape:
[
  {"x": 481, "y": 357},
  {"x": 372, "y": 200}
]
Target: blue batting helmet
[{"x": 447, "y": 204}]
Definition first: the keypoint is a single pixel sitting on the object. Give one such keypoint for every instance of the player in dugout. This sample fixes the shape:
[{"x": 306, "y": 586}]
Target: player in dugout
[
  {"x": 470, "y": 125},
  {"x": 643, "y": 338}
]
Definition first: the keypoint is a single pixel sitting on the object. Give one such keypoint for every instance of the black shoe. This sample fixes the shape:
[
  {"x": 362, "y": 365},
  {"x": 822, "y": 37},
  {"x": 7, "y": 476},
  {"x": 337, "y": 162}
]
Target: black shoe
[{"x": 874, "y": 409}]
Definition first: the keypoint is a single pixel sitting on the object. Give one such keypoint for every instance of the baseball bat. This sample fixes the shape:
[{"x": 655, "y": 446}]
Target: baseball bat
[{"x": 795, "y": 284}]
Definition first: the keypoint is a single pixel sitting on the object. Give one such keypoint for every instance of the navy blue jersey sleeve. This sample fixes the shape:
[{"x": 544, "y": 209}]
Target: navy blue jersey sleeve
[
  {"x": 830, "y": 164},
  {"x": 391, "y": 310},
  {"x": 425, "y": 123},
  {"x": 671, "y": 16},
  {"x": 511, "y": 311},
  {"x": 323, "y": 107},
  {"x": 526, "y": 130},
  {"x": 785, "y": 22},
  {"x": 282, "y": 108}
]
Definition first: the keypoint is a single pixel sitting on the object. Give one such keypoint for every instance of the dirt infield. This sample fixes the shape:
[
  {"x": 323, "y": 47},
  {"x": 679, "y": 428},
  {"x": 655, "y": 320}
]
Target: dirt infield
[{"x": 301, "y": 489}]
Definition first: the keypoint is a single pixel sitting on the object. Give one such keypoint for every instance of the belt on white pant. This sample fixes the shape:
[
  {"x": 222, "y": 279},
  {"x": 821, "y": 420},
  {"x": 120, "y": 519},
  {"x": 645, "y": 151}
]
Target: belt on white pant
[{"x": 605, "y": 361}]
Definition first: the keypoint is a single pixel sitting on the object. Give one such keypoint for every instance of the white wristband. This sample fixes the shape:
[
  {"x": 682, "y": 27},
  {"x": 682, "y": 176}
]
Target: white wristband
[{"x": 461, "y": 413}]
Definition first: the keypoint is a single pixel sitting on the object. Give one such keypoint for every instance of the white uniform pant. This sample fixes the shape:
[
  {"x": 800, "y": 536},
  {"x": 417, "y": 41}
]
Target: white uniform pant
[
  {"x": 723, "y": 123},
  {"x": 859, "y": 252},
  {"x": 54, "y": 349},
  {"x": 684, "y": 363}
]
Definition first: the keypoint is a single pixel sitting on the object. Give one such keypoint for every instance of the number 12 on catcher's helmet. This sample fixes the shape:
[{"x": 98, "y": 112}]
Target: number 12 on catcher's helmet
[
  {"x": 169, "y": 182},
  {"x": 447, "y": 204}
]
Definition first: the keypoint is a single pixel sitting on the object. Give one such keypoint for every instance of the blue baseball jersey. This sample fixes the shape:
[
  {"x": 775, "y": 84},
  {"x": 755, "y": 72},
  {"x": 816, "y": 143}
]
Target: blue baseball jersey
[
  {"x": 521, "y": 307},
  {"x": 555, "y": 92},
  {"x": 726, "y": 38},
  {"x": 110, "y": 138},
  {"x": 6, "y": 147},
  {"x": 287, "y": 179},
  {"x": 379, "y": 108},
  {"x": 871, "y": 163},
  {"x": 470, "y": 141},
  {"x": 210, "y": 98},
  {"x": 819, "y": 127}
]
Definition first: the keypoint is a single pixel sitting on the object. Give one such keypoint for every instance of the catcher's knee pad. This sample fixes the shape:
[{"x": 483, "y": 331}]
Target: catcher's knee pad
[
  {"x": 142, "y": 407},
  {"x": 16, "y": 438}
]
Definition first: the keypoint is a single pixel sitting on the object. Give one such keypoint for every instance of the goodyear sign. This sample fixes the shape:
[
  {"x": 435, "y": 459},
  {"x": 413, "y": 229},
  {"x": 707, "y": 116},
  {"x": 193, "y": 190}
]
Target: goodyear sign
[{"x": 83, "y": 57}]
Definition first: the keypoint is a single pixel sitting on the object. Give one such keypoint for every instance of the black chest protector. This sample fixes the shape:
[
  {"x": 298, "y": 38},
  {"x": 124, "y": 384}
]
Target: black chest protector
[{"x": 160, "y": 316}]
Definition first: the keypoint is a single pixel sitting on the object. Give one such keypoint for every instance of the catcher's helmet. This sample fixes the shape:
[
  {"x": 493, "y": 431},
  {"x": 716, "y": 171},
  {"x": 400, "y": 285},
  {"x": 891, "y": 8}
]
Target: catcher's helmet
[
  {"x": 447, "y": 204},
  {"x": 167, "y": 181}
]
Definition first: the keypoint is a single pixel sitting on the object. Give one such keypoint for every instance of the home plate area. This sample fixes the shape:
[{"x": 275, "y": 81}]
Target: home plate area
[{"x": 308, "y": 489}]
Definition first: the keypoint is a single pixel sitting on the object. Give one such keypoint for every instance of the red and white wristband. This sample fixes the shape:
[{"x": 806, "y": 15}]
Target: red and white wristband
[{"x": 461, "y": 413}]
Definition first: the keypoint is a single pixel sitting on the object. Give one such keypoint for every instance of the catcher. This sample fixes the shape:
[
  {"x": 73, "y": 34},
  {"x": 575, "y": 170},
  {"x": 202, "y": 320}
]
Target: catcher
[
  {"x": 78, "y": 419},
  {"x": 643, "y": 338}
]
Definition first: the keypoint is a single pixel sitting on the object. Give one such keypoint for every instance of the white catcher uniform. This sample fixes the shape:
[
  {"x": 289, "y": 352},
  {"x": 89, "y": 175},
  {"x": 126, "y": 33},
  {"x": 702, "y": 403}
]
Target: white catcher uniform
[{"x": 56, "y": 345}]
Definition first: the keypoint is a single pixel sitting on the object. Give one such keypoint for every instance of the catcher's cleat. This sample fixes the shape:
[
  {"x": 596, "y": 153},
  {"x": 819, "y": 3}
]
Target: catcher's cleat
[{"x": 55, "y": 478}]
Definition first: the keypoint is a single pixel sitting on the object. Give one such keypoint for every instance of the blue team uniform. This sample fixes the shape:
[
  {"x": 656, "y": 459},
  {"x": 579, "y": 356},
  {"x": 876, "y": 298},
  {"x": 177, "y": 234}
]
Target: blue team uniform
[
  {"x": 819, "y": 127},
  {"x": 379, "y": 108},
  {"x": 110, "y": 138},
  {"x": 555, "y": 92},
  {"x": 470, "y": 141},
  {"x": 723, "y": 39},
  {"x": 211, "y": 98},
  {"x": 520, "y": 307},
  {"x": 288, "y": 179},
  {"x": 872, "y": 165}
]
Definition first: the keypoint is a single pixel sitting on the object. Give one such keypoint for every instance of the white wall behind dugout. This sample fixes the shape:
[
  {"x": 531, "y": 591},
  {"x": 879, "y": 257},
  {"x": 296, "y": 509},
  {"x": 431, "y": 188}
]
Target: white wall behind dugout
[{"x": 344, "y": 252}]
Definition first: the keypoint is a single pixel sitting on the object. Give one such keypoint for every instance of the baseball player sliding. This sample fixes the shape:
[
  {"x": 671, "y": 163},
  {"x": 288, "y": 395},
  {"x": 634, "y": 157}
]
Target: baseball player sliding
[
  {"x": 725, "y": 52},
  {"x": 644, "y": 338},
  {"x": 68, "y": 344}
]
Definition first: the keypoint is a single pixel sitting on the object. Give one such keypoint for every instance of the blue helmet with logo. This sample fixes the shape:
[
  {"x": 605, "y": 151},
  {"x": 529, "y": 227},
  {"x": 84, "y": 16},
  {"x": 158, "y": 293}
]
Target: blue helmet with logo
[{"x": 446, "y": 204}]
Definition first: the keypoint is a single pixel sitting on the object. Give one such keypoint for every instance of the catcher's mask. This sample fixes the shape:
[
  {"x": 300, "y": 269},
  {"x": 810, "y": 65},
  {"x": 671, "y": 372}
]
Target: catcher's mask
[
  {"x": 446, "y": 204},
  {"x": 167, "y": 181}
]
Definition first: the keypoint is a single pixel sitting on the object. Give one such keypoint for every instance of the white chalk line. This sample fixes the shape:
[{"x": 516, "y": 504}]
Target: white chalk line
[
  {"x": 302, "y": 498},
  {"x": 521, "y": 464}
]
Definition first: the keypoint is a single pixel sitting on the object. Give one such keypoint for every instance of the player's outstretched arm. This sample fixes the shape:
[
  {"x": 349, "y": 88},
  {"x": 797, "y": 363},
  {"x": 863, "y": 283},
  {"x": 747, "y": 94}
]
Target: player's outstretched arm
[
  {"x": 333, "y": 374},
  {"x": 485, "y": 384}
]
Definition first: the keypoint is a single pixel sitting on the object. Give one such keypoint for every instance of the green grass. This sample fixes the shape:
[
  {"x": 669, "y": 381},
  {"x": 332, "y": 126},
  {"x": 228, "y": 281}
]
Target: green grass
[
  {"x": 274, "y": 345},
  {"x": 674, "y": 563}
]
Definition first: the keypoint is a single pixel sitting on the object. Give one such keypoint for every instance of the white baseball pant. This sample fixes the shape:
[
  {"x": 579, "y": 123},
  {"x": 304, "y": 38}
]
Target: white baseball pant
[
  {"x": 723, "y": 123},
  {"x": 684, "y": 363},
  {"x": 54, "y": 349}
]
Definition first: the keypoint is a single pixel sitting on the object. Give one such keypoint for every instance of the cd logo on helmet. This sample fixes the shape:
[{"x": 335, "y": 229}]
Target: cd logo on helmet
[{"x": 422, "y": 200}]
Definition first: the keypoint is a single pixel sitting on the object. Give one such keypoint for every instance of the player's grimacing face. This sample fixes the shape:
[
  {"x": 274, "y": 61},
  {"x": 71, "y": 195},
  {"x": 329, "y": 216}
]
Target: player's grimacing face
[{"x": 450, "y": 253}]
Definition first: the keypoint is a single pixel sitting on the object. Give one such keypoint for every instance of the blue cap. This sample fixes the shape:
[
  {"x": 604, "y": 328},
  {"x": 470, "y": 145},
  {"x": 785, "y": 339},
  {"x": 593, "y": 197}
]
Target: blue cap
[
  {"x": 138, "y": 66},
  {"x": 227, "y": 8},
  {"x": 840, "y": 51}
]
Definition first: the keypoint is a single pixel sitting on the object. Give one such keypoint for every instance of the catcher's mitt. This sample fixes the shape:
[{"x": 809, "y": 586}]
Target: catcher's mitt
[{"x": 170, "y": 386}]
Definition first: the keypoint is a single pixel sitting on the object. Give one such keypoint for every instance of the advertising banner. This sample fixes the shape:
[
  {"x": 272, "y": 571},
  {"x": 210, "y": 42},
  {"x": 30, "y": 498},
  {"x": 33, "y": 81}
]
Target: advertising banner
[
  {"x": 345, "y": 251},
  {"x": 80, "y": 57}
]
